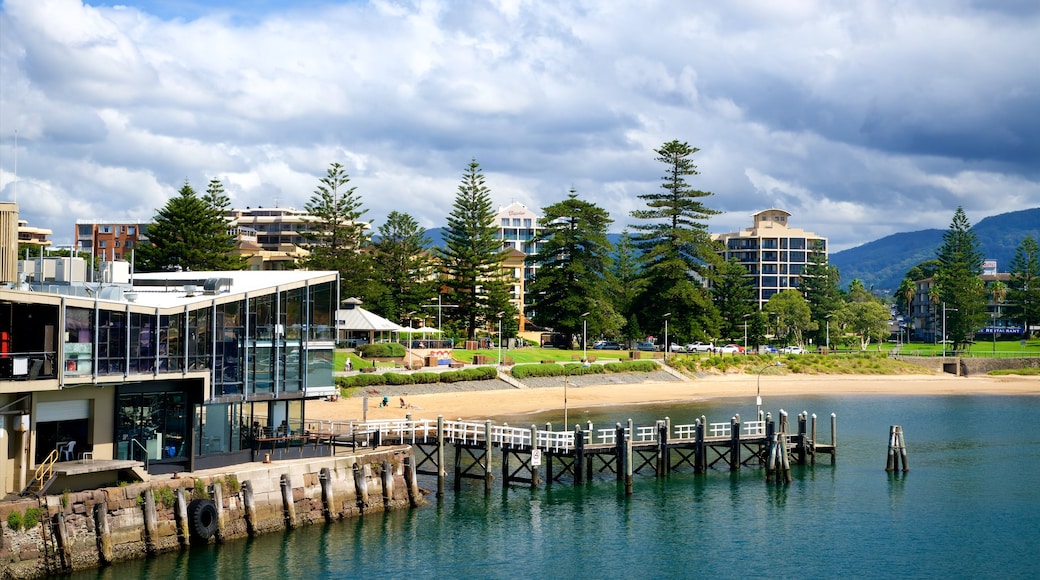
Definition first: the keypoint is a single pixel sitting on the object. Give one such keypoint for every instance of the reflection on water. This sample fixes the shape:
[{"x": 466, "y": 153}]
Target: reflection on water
[{"x": 969, "y": 506}]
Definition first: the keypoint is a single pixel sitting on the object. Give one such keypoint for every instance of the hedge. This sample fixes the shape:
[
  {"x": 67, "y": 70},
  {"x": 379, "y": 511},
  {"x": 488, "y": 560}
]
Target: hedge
[
  {"x": 382, "y": 350},
  {"x": 389, "y": 378}
]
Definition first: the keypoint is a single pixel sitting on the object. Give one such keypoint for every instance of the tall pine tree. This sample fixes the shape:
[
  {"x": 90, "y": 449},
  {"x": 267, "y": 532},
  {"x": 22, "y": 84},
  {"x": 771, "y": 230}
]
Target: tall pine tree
[
  {"x": 1023, "y": 292},
  {"x": 471, "y": 259},
  {"x": 678, "y": 252},
  {"x": 957, "y": 282},
  {"x": 190, "y": 233},
  {"x": 404, "y": 265},
  {"x": 336, "y": 237},
  {"x": 574, "y": 258}
]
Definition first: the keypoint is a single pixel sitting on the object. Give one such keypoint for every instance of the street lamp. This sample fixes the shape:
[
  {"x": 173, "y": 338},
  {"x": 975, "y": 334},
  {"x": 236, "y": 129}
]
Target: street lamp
[
  {"x": 745, "y": 332},
  {"x": 667, "y": 345},
  {"x": 944, "y": 328},
  {"x": 758, "y": 387},
  {"x": 500, "y": 337},
  {"x": 584, "y": 340},
  {"x": 828, "y": 317}
]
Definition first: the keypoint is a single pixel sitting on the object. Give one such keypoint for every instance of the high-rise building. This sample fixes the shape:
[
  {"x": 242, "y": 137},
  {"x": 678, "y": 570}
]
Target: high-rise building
[
  {"x": 517, "y": 228},
  {"x": 110, "y": 241},
  {"x": 774, "y": 253}
]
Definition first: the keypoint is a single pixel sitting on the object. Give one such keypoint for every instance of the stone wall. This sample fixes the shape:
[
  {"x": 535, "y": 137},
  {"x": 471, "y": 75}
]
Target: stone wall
[{"x": 93, "y": 528}]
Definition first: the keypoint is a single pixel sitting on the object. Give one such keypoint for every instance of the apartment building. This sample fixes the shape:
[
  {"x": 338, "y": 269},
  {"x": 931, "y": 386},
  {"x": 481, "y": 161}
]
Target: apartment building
[
  {"x": 774, "y": 253},
  {"x": 109, "y": 241}
]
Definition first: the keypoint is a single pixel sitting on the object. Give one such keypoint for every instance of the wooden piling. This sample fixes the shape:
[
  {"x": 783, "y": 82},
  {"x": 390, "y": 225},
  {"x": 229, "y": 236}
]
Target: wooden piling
[
  {"x": 488, "y": 476},
  {"x": 180, "y": 516},
  {"x": 441, "y": 473},
  {"x": 579, "y": 457},
  {"x": 218, "y": 501},
  {"x": 700, "y": 449},
  {"x": 628, "y": 458},
  {"x": 151, "y": 539},
  {"x": 663, "y": 454},
  {"x": 387, "y": 474},
  {"x": 104, "y": 533},
  {"x": 734, "y": 443},
  {"x": 412, "y": 481},
  {"x": 287, "y": 502},
  {"x": 896, "y": 449},
  {"x": 249, "y": 503},
  {"x": 328, "y": 500},
  {"x": 536, "y": 456}
]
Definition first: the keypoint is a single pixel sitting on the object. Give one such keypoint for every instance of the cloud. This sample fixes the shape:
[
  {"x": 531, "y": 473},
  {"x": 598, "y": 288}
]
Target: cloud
[{"x": 862, "y": 119}]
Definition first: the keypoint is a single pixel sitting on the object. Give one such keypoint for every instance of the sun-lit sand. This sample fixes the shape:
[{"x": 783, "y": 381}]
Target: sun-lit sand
[{"x": 481, "y": 404}]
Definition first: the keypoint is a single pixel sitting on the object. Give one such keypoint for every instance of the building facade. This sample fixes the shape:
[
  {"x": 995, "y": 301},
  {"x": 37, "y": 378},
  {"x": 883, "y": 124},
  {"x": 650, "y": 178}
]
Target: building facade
[
  {"x": 177, "y": 371},
  {"x": 518, "y": 229},
  {"x": 109, "y": 241},
  {"x": 928, "y": 317},
  {"x": 774, "y": 253}
]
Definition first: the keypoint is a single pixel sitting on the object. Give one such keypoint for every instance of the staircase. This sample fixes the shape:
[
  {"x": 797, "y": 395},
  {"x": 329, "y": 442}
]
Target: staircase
[{"x": 42, "y": 477}]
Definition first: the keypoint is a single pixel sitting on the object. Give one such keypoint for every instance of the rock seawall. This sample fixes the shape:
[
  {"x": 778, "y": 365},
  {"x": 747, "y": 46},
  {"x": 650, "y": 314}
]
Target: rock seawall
[{"x": 83, "y": 530}]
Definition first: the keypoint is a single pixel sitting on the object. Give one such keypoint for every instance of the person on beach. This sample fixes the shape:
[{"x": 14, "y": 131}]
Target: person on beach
[
  {"x": 403, "y": 404},
  {"x": 385, "y": 403}
]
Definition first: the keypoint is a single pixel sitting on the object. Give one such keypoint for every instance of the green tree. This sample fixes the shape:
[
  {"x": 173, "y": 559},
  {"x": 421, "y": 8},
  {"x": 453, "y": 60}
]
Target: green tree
[
  {"x": 819, "y": 284},
  {"x": 403, "y": 265},
  {"x": 626, "y": 283},
  {"x": 792, "y": 315},
  {"x": 189, "y": 233},
  {"x": 958, "y": 283},
  {"x": 574, "y": 258},
  {"x": 471, "y": 259},
  {"x": 867, "y": 320},
  {"x": 1023, "y": 290},
  {"x": 677, "y": 250},
  {"x": 336, "y": 237},
  {"x": 734, "y": 297}
]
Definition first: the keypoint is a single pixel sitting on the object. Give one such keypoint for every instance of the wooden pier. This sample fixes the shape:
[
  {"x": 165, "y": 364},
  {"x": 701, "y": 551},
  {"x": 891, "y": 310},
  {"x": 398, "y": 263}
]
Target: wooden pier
[{"x": 579, "y": 455}]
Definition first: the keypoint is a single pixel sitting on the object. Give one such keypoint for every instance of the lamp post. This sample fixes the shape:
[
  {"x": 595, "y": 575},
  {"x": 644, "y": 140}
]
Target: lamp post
[
  {"x": 500, "y": 337},
  {"x": 584, "y": 340},
  {"x": 667, "y": 345},
  {"x": 944, "y": 328},
  {"x": 745, "y": 332},
  {"x": 828, "y": 318},
  {"x": 758, "y": 388},
  {"x": 993, "y": 330}
]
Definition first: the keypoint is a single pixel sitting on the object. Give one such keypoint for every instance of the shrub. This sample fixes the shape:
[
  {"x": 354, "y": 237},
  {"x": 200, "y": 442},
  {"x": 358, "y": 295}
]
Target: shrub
[
  {"x": 452, "y": 377},
  {"x": 537, "y": 370},
  {"x": 398, "y": 379},
  {"x": 14, "y": 521},
  {"x": 382, "y": 350},
  {"x": 425, "y": 377},
  {"x": 362, "y": 380},
  {"x": 32, "y": 517},
  {"x": 231, "y": 483},
  {"x": 165, "y": 497},
  {"x": 200, "y": 491}
]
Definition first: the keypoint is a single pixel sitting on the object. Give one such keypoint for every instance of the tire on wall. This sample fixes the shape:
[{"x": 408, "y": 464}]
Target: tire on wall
[{"x": 202, "y": 519}]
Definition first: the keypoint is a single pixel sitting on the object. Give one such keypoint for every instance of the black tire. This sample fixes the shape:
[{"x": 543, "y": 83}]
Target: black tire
[{"x": 202, "y": 519}]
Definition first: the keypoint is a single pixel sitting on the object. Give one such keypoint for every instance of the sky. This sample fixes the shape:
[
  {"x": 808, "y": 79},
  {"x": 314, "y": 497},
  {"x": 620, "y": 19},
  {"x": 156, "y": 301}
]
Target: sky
[{"x": 861, "y": 119}]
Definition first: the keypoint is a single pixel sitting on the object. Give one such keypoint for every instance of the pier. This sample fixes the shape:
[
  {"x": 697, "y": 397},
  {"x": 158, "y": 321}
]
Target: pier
[{"x": 530, "y": 455}]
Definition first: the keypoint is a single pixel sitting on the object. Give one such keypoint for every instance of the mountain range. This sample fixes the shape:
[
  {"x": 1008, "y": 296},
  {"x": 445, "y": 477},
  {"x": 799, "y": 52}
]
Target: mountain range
[{"x": 881, "y": 264}]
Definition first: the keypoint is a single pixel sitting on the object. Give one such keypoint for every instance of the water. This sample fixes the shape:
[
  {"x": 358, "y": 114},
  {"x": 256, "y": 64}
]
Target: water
[{"x": 969, "y": 507}]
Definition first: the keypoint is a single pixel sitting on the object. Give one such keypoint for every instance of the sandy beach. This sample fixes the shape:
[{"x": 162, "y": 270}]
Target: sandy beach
[{"x": 514, "y": 401}]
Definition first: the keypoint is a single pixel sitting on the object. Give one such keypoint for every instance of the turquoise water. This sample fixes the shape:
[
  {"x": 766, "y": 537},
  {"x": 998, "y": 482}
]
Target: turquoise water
[{"x": 969, "y": 507}]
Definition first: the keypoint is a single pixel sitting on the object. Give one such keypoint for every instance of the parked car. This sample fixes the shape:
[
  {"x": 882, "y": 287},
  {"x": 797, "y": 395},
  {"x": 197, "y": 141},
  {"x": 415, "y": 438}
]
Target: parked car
[
  {"x": 699, "y": 347},
  {"x": 731, "y": 349},
  {"x": 607, "y": 345},
  {"x": 676, "y": 348},
  {"x": 769, "y": 349},
  {"x": 792, "y": 349},
  {"x": 646, "y": 346}
]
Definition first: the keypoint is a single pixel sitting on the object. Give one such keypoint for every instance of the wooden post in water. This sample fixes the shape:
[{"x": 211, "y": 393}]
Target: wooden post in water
[
  {"x": 328, "y": 501},
  {"x": 628, "y": 458},
  {"x": 834, "y": 437},
  {"x": 535, "y": 452},
  {"x": 700, "y": 451},
  {"x": 548, "y": 457},
  {"x": 619, "y": 453},
  {"x": 488, "y": 475},
  {"x": 180, "y": 516},
  {"x": 896, "y": 449},
  {"x": 440, "y": 456},
  {"x": 813, "y": 457},
  {"x": 411, "y": 480},
  {"x": 287, "y": 502},
  {"x": 150, "y": 522},
  {"x": 770, "y": 447},
  {"x": 663, "y": 454},
  {"x": 803, "y": 442},
  {"x": 104, "y": 534},
  {"x": 387, "y": 477},
  {"x": 579, "y": 457},
  {"x": 734, "y": 443}
]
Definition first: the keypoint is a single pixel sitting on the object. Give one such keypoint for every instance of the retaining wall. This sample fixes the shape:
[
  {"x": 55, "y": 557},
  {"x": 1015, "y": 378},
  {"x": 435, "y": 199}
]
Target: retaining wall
[
  {"x": 965, "y": 366},
  {"x": 87, "y": 529}
]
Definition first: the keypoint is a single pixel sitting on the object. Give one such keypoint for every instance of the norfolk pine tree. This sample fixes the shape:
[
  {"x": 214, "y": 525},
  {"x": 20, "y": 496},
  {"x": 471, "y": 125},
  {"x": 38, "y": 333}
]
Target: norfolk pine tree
[
  {"x": 336, "y": 238},
  {"x": 677, "y": 249},
  {"x": 190, "y": 233},
  {"x": 574, "y": 258},
  {"x": 403, "y": 264},
  {"x": 471, "y": 259},
  {"x": 958, "y": 283}
]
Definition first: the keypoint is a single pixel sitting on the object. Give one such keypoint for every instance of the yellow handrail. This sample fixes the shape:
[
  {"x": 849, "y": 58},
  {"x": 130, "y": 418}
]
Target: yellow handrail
[{"x": 45, "y": 469}]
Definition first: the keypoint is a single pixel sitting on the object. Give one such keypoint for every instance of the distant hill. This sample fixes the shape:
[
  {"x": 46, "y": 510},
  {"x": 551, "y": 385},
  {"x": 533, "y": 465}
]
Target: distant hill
[{"x": 881, "y": 264}]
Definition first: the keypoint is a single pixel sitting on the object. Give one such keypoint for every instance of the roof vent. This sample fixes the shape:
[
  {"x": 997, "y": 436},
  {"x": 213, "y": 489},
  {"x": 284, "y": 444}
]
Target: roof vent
[
  {"x": 216, "y": 285},
  {"x": 189, "y": 290}
]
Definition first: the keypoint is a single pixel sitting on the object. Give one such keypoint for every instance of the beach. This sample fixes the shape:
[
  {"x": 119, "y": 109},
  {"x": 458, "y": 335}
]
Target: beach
[{"x": 478, "y": 404}]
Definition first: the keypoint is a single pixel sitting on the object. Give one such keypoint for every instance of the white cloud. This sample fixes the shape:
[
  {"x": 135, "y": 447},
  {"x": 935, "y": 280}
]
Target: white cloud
[{"x": 862, "y": 119}]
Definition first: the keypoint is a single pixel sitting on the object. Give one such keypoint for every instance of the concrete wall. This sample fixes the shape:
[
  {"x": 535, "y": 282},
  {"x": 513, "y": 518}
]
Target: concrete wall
[
  {"x": 962, "y": 366},
  {"x": 88, "y": 529}
]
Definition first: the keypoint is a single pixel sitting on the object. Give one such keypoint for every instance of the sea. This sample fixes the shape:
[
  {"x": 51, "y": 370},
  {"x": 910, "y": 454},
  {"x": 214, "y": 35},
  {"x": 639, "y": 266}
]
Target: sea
[{"x": 969, "y": 507}]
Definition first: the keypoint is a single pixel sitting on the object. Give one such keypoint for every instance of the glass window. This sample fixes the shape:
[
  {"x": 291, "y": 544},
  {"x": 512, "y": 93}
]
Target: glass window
[
  {"x": 323, "y": 307},
  {"x": 79, "y": 341},
  {"x": 111, "y": 342},
  {"x": 153, "y": 425},
  {"x": 131, "y": 230},
  {"x": 319, "y": 368},
  {"x": 230, "y": 329},
  {"x": 170, "y": 345}
]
